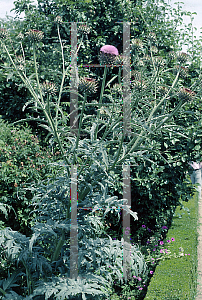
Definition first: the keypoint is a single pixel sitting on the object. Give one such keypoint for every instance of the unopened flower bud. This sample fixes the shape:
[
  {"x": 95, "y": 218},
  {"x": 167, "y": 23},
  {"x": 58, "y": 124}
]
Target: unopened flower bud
[
  {"x": 20, "y": 36},
  {"x": 84, "y": 28},
  {"x": 159, "y": 61},
  {"x": 139, "y": 85},
  {"x": 58, "y": 20},
  {"x": 48, "y": 88},
  {"x": 3, "y": 33},
  {"x": 162, "y": 90},
  {"x": 186, "y": 94},
  {"x": 35, "y": 35},
  {"x": 87, "y": 85},
  {"x": 117, "y": 88},
  {"x": 154, "y": 49},
  {"x": 152, "y": 37},
  {"x": 136, "y": 44},
  {"x": 183, "y": 71},
  {"x": 182, "y": 57}
]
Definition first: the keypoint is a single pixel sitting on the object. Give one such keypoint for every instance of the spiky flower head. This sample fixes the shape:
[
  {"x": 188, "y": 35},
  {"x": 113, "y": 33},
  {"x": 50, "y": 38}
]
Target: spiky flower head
[
  {"x": 20, "y": 62},
  {"x": 20, "y": 36},
  {"x": 84, "y": 28},
  {"x": 48, "y": 88},
  {"x": 3, "y": 33},
  {"x": 117, "y": 88},
  {"x": 121, "y": 59},
  {"x": 159, "y": 61},
  {"x": 152, "y": 37},
  {"x": 136, "y": 44},
  {"x": 58, "y": 20},
  {"x": 186, "y": 94},
  {"x": 139, "y": 85},
  {"x": 154, "y": 49},
  {"x": 182, "y": 57},
  {"x": 183, "y": 71},
  {"x": 162, "y": 90},
  {"x": 108, "y": 55},
  {"x": 135, "y": 75},
  {"x": 87, "y": 85},
  {"x": 140, "y": 63},
  {"x": 34, "y": 35},
  {"x": 171, "y": 55}
]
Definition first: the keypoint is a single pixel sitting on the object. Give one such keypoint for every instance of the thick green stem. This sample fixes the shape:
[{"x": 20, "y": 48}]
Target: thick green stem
[
  {"x": 100, "y": 101},
  {"x": 30, "y": 282},
  {"x": 103, "y": 137},
  {"x": 118, "y": 153},
  {"x": 79, "y": 130},
  {"x": 36, "y": 73},
  {"x": 58, "y": 247}
]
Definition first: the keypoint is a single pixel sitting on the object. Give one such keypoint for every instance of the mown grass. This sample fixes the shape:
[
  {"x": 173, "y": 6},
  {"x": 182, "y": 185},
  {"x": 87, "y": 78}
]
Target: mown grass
[{"x": 176, "y": 278}]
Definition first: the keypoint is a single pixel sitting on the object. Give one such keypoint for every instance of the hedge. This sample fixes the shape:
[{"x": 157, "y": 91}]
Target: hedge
[{"x": 176, "y": 278}]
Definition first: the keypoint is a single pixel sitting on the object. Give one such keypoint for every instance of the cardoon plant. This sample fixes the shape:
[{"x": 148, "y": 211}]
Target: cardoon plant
[{"x": 44, "y": 258}]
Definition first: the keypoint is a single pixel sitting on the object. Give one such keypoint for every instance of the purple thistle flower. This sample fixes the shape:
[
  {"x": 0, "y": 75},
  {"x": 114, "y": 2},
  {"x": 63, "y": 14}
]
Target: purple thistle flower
[
  {"x": 110, "y": 50},
  {"x": 161, "y": 243},
  {"x": 164, "y": 227},
  {"x": 108, "y": 55},
  {"x": 151, "y": 272}
]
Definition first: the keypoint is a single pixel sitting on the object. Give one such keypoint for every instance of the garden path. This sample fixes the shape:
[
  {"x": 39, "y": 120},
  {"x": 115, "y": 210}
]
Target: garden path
[{"x": 199, "y": 249}]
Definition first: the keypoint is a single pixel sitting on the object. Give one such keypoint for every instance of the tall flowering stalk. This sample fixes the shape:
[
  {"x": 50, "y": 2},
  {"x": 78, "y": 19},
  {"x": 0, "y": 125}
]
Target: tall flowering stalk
[{"x": 108, "y": 53}]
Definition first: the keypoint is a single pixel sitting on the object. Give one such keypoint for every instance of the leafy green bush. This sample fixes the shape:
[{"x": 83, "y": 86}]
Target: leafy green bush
[{"x": 22, "y": 162}]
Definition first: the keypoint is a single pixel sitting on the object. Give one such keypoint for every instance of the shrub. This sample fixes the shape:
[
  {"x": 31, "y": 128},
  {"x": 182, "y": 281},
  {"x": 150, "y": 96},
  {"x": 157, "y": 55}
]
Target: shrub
[{"x": 22, "y": 162}]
